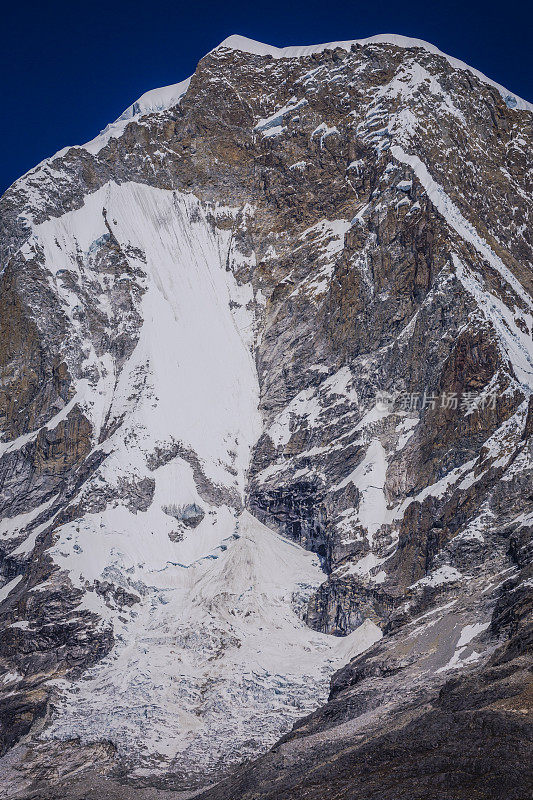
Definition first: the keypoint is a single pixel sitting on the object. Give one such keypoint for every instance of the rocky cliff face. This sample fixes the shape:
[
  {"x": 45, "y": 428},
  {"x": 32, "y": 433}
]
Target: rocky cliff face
[{"x": 266, "y": 413}]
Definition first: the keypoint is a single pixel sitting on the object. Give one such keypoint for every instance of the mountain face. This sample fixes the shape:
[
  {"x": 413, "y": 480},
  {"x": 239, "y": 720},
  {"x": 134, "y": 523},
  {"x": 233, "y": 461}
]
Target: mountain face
[{"x": 265, "y": 469}]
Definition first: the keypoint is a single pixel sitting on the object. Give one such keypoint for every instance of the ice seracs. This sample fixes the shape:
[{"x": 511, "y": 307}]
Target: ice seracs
[
  {"x": 214, "y": 639},
  {"x": 213, "y": 658}
]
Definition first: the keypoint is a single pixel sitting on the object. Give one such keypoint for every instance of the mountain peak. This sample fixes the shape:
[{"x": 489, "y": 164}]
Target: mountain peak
[
  {"x": 246, "y": 45},
  {"x": 267, "y": 409}
]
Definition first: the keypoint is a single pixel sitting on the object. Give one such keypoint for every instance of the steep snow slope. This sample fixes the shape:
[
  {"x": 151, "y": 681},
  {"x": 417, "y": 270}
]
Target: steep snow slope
[
  {"x": 211, "y": 657},
  {"x": 191, "y": 374},
  {"x": 150, "y": 102}
]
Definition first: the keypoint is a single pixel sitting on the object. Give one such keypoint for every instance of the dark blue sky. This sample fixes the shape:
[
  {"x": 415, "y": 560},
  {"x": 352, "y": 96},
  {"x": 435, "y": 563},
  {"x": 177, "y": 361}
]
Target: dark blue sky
[{"x": 69, "y": 68}]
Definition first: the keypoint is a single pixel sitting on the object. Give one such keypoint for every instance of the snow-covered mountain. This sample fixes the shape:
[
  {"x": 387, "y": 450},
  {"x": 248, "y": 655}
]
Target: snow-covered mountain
[{"x": 266, "y": 416}]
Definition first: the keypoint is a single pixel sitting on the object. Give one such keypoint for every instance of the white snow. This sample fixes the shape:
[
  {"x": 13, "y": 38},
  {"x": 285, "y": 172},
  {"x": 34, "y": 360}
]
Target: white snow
[
  {"x": 8, "y": 587},
  {"x": 469, "y": 632},
  {"x": 192, "y": 347},
  {"x": 457, "y": 221},
  {"x": 459, "y": 659},
  {"x": 11, "y": 527},
  {"x": 439, "y": 577},
  {"x": 246, "y": 45},
  {"x": 25, "y": 548},
  {"x": 152, "y": 101},
  {"x": 273, "y": 125},
  {"x": 406, "y": 429},
  {"x": 369, "y": 477},
  {"x": 473, "y": 531},
  {"x": 217, "y": 657},
  {"x": 515, "y": 343},
  {"x": 9, "y": 677},
  {"x": 363, "y": 567},
  {"x": 324, "y": 131},
  {"x": 214, "y": 654}
]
